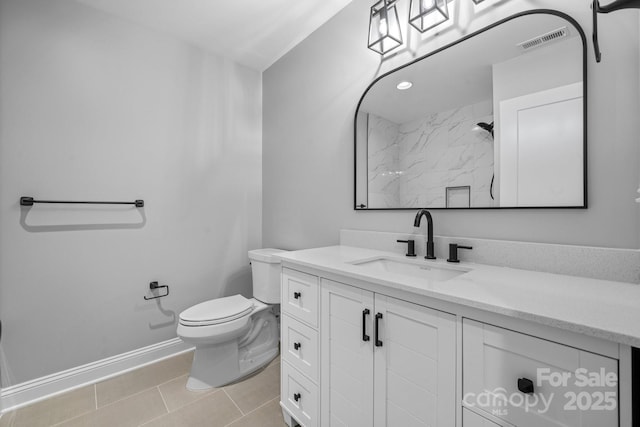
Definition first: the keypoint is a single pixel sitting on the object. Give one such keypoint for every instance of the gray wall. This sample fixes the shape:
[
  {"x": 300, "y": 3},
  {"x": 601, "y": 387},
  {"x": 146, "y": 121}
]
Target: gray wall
[
  {"x": 93, "y": 107},
  {"x": 310, "y": 96}
]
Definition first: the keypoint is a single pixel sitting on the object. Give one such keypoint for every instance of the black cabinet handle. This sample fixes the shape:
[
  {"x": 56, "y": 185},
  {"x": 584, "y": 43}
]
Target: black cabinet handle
[
  {"x": 378, "y": 317},
  {"x": 297, "y": 397},
  {"x": 297, "y": 295},
  {"x": 365, "y": 313},
  {"x": 525, "y": 385},
  {"x": 297, "y": 345}
]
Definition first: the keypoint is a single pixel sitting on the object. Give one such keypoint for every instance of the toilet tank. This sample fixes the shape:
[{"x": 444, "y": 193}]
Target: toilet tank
[{"x": 265, "y": 269}]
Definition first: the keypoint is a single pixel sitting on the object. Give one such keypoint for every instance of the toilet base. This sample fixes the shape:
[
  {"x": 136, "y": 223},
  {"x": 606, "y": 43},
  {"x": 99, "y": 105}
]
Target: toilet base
[
  {"x": 213, "y": 366},
  {"x": 223, "y": 363}
]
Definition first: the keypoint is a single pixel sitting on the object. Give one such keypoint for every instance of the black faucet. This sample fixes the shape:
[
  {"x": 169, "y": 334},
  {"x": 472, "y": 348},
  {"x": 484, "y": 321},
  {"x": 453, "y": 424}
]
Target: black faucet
[{"x": 416, "y": 223}]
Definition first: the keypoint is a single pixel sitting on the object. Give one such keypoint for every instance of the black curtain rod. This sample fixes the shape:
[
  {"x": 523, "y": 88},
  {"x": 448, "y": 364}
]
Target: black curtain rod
[{"x": 29, "y": 201}]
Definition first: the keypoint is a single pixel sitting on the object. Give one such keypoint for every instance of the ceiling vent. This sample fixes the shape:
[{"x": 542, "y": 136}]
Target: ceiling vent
[{"x": 544, "y": 39}]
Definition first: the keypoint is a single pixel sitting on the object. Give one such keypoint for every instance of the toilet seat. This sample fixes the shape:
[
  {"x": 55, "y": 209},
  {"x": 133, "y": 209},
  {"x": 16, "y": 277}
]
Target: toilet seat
[
  {"x": 221, "y": 331},
  {"x": 217, "y": 311}
]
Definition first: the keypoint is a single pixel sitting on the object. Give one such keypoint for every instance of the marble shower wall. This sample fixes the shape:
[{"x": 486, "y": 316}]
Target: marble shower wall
[
  {"x": 411, "y": 164},
  {"x": 383, "y": 163}
]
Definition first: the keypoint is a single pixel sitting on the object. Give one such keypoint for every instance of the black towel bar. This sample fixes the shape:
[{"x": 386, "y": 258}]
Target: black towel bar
[{"x": 29, "y": 201}]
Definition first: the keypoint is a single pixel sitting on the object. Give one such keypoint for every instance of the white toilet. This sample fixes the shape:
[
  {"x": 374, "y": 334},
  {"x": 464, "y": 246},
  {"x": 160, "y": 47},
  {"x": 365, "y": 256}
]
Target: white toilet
[{"x": 234, "y": 336}]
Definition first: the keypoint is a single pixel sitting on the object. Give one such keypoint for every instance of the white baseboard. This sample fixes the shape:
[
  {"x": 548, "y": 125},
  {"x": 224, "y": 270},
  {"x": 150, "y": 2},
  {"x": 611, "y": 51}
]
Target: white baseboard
[{"x": 32, "y": 391}]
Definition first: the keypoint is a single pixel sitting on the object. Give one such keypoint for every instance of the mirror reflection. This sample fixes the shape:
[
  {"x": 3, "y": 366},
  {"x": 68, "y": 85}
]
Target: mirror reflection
[{"x": 496, "y": 120}]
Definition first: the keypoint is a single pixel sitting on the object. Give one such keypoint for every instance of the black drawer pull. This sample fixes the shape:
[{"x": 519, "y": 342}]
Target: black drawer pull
[
  {"x": 297, "y": 295},
  {"x": 378, "y": 317},
  {"x": 297, "y": 345},
  {"x": 525, "y": 385},
  {"x": 365, "y": 313},
  {"x": 297, "y": 397}
]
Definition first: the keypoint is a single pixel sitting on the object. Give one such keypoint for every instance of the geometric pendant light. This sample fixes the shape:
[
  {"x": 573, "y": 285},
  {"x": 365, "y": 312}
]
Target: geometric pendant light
[
  {"x": 384, "y": 27},
  {"x": 426, "y": 14}
]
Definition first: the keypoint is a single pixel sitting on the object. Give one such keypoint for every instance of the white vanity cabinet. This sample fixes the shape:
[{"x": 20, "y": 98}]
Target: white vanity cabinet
[
  {"x": 358, "y": 354},
  {"x": 384, "y": 361}
]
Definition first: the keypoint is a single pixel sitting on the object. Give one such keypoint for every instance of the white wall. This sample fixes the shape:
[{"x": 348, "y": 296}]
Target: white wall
[
  {"x": 93, "y": 107},
  {"x": 310, "y": 96},
  {"x": 557, "y": 64}
]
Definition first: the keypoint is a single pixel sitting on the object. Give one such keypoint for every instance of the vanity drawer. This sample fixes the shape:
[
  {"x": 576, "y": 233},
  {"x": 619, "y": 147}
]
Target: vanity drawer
[
  {"x": 300, "y": 346},
  {"x": 471, "y": 419},
  {"x": 299, "y": 396},
  {"x": 494, "y": 359},
  {"x": 300, "y": 295}
]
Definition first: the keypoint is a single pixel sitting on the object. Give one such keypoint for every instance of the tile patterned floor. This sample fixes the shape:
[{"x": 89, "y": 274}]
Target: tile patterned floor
[{"x": 156, "y": 396}]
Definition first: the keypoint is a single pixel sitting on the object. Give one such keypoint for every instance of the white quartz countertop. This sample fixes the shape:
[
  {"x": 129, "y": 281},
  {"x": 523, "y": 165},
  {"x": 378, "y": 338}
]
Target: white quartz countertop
[{"x": 599, "y": 308}]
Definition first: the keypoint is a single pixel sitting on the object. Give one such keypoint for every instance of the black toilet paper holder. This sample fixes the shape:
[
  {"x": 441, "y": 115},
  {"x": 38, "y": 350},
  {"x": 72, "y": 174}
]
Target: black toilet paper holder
[{"x": 153, "y": 286}]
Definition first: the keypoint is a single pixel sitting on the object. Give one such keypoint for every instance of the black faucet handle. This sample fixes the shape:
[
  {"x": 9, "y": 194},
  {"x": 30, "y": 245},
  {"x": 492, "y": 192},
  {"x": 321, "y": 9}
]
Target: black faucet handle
[
  {"x": 411, "y": 246},
  {"x": 453, "y": 251}
]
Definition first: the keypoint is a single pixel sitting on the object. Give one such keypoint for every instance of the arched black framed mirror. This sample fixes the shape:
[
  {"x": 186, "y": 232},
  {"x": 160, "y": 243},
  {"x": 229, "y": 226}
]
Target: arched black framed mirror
[{"x": 494, "y": 120}]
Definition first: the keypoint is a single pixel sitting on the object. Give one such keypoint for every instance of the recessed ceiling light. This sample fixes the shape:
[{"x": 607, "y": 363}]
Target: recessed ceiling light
[{"x": 404, "y": 85}]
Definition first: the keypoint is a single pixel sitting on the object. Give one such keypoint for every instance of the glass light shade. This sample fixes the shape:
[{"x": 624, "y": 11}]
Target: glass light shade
[
  {"x": 384, "y": 27},
  {"x": 426, "y": 14}
]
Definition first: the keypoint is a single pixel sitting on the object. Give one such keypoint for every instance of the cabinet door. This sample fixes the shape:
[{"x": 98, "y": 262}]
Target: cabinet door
[
  {"x": 415, "y": 369},
  {"x": 346, "y": 356}
]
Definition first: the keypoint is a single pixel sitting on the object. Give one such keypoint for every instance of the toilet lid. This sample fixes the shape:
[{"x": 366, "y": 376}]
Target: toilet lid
[{"x": 219, "y": 310}]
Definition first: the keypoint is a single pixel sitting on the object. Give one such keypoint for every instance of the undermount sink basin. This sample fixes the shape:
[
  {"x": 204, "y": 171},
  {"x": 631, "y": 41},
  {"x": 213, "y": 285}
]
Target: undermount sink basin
[{"x": 413, "y": 268}]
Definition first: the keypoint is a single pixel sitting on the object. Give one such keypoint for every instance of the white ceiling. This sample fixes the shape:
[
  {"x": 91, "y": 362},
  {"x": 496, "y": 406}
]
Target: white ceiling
[{"x": 251, "y": 32}]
